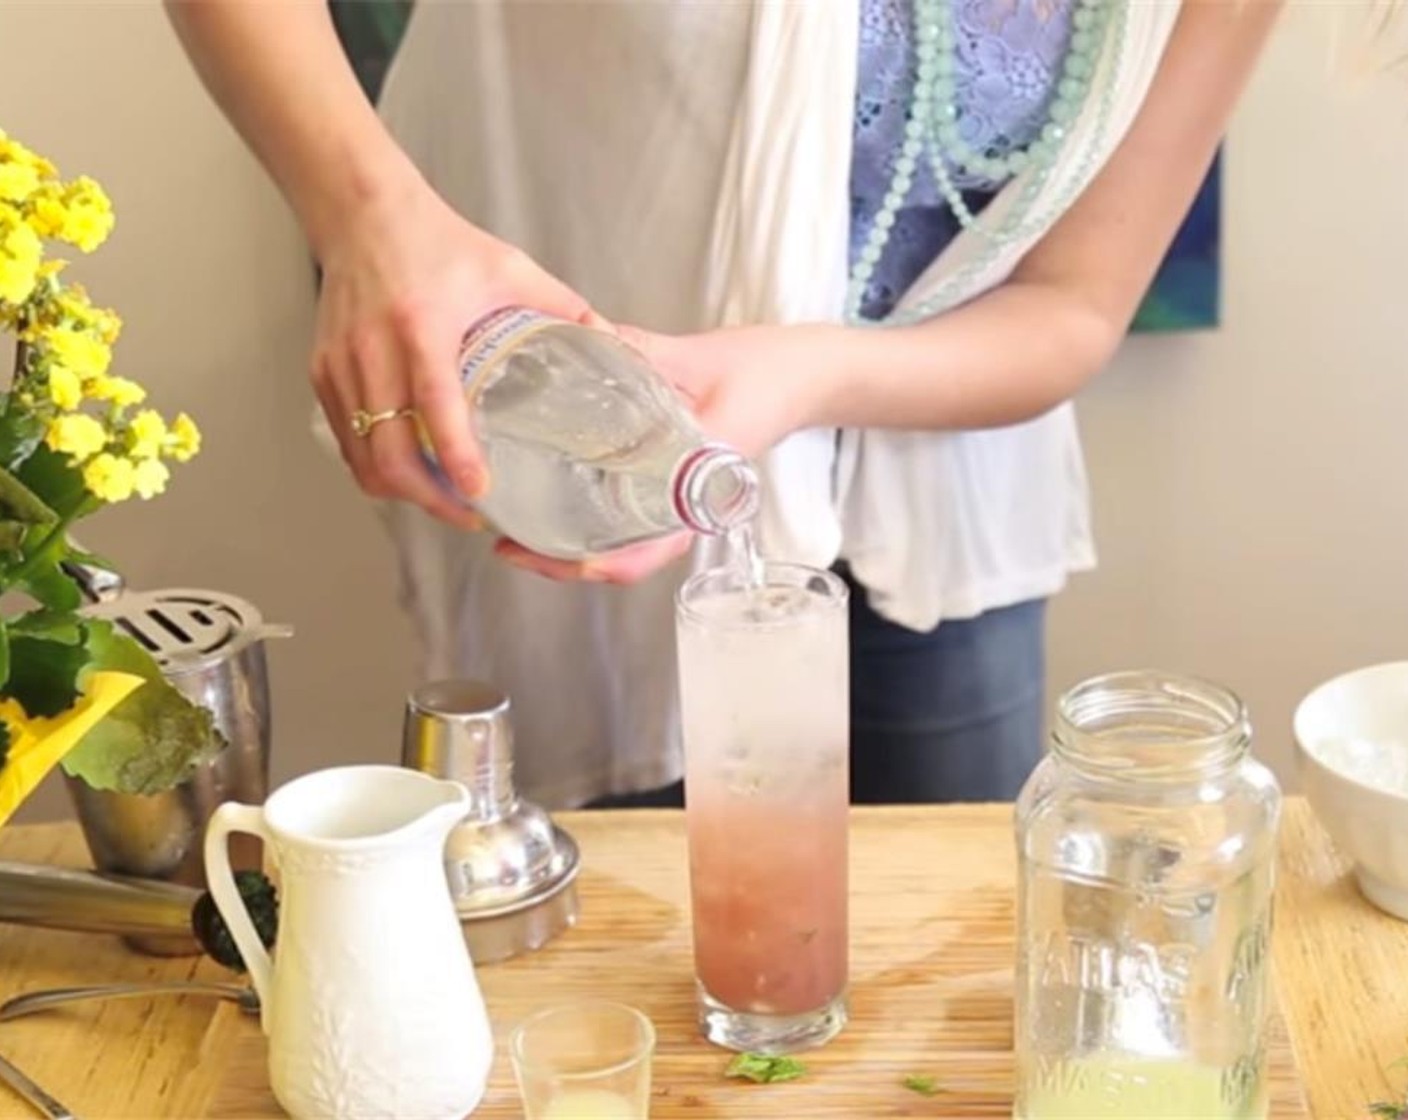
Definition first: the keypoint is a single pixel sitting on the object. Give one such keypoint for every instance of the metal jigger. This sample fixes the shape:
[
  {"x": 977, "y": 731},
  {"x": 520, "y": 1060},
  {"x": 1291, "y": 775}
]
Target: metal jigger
[{"x": 512, "y": 872}]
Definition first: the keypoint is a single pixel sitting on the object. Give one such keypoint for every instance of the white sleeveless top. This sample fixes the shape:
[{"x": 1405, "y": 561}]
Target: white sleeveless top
[{"x": 684, "y": 166}]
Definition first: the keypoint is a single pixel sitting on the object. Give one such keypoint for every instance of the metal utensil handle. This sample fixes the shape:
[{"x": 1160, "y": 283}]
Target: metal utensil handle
[
  {"x": 31, "y": 1092},
  {"x": 65, "y": 898},
  {"x": 54, "y": 997}
]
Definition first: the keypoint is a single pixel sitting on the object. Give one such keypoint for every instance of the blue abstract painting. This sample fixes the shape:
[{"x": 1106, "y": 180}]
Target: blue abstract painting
[{"x": 1186, "y": 294}]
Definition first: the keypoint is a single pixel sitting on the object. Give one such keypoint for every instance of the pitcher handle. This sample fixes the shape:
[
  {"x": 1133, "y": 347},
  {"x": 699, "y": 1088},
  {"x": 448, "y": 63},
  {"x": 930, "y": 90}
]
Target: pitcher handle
[{"x": 231, "y": 817}]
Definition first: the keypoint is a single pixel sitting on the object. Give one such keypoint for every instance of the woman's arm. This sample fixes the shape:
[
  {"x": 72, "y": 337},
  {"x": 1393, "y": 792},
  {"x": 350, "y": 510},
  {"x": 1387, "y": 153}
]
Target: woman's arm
[
  {"x": 404, "y": 276},
  {"x": 1031, "y": 343},
  {"x": 1008, "y": 355},
  {"x": 279, "y": 74}
]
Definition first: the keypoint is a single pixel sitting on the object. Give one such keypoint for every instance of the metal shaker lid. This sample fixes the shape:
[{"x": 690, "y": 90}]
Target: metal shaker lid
[
  {"x": 460, "y": 730},
  {"x": 506, "y": 858}
]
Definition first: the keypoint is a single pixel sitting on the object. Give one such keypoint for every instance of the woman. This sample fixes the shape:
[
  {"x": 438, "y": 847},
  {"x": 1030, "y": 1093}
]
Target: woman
[{"x": 756, "y": 184}]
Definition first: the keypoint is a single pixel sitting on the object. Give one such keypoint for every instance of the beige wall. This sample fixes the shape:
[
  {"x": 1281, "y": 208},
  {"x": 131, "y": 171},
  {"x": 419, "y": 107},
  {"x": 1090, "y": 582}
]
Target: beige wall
[
  {"x": 207, "y": 269},
  {"x": 1250, "y": 482}
]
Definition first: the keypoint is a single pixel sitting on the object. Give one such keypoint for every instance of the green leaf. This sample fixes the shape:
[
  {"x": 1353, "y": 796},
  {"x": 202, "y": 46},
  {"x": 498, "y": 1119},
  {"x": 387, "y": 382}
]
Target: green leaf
[
  {"x": 20, "y": 433},
  {"x": 12, "y": 534},
  {"x": 4, "y": 654},
  {"x": 92, "y": 559},
  {"x": 21, "y": 503},
  {"x": 44, "y": 675},
  {"x": 152, "y": 740},
  {"x": 54, "y": 626},
  {"x": 922, "y": 1084},
  {"x": 52, "y": 588},
  {"x": 764, "y": 1068},
  {"x": 57, "y": 482}
]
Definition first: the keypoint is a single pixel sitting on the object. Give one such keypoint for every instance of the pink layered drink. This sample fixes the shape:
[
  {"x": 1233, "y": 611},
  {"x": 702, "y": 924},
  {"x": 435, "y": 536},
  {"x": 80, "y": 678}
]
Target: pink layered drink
[
  {"x": 768, "y": 883},
  {"x": 765, "y": 709}
]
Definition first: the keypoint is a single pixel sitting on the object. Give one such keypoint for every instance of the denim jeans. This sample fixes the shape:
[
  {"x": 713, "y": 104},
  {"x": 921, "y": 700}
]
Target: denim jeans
[{"x": 954, "y": 714}]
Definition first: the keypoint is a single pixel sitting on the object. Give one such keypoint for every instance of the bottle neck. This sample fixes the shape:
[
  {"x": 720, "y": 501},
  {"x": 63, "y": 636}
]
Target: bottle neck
[
  {"x": 715, "y": 489},
  {"x": 1150, "y": 727}
]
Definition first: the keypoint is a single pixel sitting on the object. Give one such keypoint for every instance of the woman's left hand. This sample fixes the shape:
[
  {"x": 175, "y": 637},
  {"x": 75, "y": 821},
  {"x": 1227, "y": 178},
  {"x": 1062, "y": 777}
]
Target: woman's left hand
[{"x": 749, "y": 387}]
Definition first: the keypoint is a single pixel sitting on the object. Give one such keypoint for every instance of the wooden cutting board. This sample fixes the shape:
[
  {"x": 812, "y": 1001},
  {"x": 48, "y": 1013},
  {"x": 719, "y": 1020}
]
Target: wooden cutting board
[{"x": 932, "y": 953}]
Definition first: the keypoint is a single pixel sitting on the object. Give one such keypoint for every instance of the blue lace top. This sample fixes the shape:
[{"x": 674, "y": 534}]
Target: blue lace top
[{"x": 1008, "y": 61}]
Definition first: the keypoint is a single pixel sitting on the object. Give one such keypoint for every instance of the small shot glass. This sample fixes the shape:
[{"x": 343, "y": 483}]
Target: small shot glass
[{"x": 584, "y": 1061}]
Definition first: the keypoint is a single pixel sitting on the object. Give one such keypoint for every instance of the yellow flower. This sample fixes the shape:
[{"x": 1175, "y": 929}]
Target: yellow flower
[
  {"x": 118, "y": 390},
  {"x": 106, "y": 324},
  {"x": 77, "y": 435},
  {"x": 109, "y": 477},
  {"x": 146, "y": 434},
  {"x": 184, "y": 442},
  {"x": 17, "y": 181},
  {"x": 47, "y": 213},
  {"x": 65, "y": 390},
  {"x": 74, "y": 305},
  {"x": 12, "y": 151},
  {"x": 81, "y": 352},
  {"x": 88, "y": 217},
  {"x": 20, "y": 255},
  {"x": 149, "y": 477},
  {"x": 78, "y": 212}
]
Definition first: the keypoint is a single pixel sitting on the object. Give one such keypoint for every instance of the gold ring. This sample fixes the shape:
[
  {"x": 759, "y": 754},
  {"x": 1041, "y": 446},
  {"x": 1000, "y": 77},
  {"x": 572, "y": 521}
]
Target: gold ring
[{"x": 363, "y": 421}]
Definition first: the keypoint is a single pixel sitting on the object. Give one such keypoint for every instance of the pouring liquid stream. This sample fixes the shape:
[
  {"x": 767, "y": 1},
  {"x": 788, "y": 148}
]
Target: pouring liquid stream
[{"x": 741, "y": 556}]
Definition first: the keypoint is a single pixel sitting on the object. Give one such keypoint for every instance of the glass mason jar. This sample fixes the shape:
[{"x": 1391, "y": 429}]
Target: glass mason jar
[{"x": 1146, "y": 847}]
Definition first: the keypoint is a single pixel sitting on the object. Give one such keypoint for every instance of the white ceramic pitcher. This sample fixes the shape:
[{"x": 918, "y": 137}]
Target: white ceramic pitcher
[{"x": 370, "y": 1002}]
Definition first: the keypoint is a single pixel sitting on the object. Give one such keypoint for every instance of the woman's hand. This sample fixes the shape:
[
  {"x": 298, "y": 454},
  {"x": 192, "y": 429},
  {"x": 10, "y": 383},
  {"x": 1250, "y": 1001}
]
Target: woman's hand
[
  {"x": 402, "y": 283},
  {"x": 404, "y": 276},
  {"x": 749, "y": 387}
]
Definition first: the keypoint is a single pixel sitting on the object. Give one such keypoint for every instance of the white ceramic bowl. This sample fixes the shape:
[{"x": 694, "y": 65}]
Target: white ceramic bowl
[{"x": 1352, "y": 749}]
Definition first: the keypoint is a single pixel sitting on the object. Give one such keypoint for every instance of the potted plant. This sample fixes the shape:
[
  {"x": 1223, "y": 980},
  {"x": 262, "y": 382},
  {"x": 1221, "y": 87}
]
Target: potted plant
[{"x": 74, "y": 437}]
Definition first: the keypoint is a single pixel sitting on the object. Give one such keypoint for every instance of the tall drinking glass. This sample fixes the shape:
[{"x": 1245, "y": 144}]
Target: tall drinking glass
[{"x": 764, "y": 684}]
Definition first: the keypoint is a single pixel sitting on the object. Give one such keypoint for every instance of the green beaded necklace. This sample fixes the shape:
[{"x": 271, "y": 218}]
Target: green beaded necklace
[{"x": 932, "y": 130}]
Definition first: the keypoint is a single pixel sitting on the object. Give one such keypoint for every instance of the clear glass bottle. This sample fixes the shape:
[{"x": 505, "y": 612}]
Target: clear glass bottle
[
  {"x": 1146, "y": 848},
  {"x": 588, "y": 448}
]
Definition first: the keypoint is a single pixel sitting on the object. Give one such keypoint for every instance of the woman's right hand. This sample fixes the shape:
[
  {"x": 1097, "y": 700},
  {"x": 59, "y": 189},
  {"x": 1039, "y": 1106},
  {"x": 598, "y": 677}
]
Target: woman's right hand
[{"x": 402, "y": 283}]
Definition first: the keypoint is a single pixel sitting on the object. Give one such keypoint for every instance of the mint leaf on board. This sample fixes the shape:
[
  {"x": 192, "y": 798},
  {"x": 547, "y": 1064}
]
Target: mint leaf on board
[
  {"x": 922, "y": 1084},
  {"x": 764, "y": 1069},
  {"x": 44, "y": 675},
  {"x": 150, "y": 742}
]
